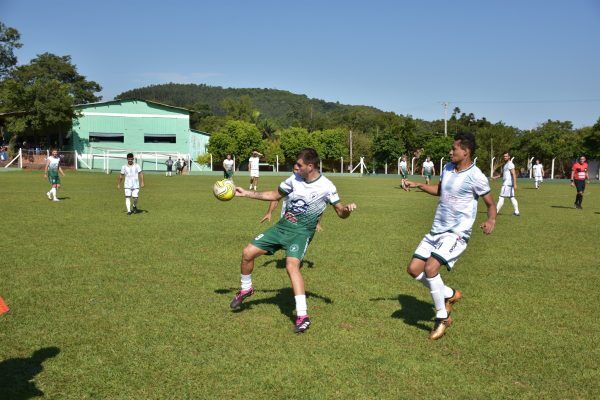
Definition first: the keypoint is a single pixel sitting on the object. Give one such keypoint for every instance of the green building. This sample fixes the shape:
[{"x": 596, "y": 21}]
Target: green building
[{"x": 105, "y": 132}]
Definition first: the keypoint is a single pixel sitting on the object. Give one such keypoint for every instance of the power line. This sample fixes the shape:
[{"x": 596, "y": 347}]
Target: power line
[{"x": 524, "y": 101}]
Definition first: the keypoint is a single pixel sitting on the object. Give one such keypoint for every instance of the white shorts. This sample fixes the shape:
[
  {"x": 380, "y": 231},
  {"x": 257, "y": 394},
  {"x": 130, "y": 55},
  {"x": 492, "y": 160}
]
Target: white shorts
[
  {"x": 254, "y": 173},
  {"x": 539, "y": 179},
  {"x": 444, "y": 247},
  {"x": 507, "y": 191},
  {"x": 132, "y": 192}
]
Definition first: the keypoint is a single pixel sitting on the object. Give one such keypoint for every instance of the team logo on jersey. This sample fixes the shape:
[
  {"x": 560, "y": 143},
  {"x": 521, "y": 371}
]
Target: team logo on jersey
[
  {"x": 298, "y": 207},
  {"x": 294, "y": 248}
]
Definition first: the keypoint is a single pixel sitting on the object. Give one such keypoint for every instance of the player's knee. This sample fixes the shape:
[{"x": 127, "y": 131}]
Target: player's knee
[{"x": 249, "y": 253}]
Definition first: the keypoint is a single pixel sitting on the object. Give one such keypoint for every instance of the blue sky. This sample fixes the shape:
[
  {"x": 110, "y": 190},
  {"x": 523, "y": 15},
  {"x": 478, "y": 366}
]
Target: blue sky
[{"x": 521, "y": 62}]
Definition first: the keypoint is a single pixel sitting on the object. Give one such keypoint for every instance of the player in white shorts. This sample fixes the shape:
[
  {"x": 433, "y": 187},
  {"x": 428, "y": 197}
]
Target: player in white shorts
[
  {"x": 461, "y": 184},
  {"x": 509, "y": 185},
  {"x": 134, "y": 179},
  {"x": 538, "y": 173},
  {"x": 253, "y": 168}
]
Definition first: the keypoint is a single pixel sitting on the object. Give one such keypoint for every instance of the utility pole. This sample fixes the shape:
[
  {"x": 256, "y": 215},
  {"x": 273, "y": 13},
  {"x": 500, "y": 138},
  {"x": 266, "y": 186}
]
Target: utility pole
[
  {"x": 445, "y": 103},
  {"x": 351, "y": 166}
]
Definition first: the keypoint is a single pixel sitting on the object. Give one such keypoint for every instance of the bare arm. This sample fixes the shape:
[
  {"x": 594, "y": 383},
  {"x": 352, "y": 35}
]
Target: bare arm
[
  {"x": 433, "y": 190},
  {"x": 141, "y": 178},
  {"x": 119, "y": 181},
  {"x": 344, "y": 211},
  {"x": 61, "y": 171},
  {"x": 514, "y": 176},
  {"x": 267, "y": 216},
  {"x": 488, "y": 226},
  {"x": 271, "y": 195}
]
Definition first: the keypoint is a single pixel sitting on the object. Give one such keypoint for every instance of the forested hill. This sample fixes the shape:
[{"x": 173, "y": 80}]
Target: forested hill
[{"x": 279, "y": 105}]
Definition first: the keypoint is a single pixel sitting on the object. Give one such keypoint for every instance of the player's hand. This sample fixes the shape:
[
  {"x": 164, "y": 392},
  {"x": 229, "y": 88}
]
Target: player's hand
[
  {"x": 142, "y": 184},
  {"x": 240, "y": 192},
  {"x": 350, "y": 207},
  {"x": 267, "y": 217},
  {"x": 319, "y": 227},
  {"x": 118, "y": 186},
  {"x": 573, "y": 184},
  {"x": 488, "y": 226},
  {"x": 406, "y": 185}
]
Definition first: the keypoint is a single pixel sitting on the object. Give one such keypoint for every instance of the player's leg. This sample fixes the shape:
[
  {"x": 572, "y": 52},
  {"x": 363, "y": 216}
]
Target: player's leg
[
  {"x": 128, "y": 201},
  {"x": 500, "y": 202},
  {"x": 249, "y": 253},
  {"x": 135, "y": 194},
  {"x": 292, "y": 266},
  {"x": 515, "y": 205}
]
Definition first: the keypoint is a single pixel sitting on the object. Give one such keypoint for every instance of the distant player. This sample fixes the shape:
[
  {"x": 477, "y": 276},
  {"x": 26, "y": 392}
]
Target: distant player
[
  {"x": 169, "y": 163},
  {"x": 428, "y": 170},
  {"x": 51, "y": 172},
  {"x": 308, "y": 193},
  {"x": 228, "y": 167},
  {"x": 403, "y": 170},
  {"x": 253, "y": 162},
  {"x": 538, "y": 173},
  {"x": 3, "y": 307},
  {"x": 509, "y": 185},
  {"x": 579, "y": 175},
  {"x": 461, "y": 184},
  {"x": 134, "y": 179}
]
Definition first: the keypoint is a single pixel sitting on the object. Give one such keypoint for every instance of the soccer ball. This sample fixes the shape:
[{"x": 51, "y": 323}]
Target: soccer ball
[{"x": 224, "y": 190}]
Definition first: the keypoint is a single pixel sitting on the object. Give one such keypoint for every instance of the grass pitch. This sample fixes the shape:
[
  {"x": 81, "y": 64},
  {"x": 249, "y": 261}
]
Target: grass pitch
[{"x": 110, "y": 306}]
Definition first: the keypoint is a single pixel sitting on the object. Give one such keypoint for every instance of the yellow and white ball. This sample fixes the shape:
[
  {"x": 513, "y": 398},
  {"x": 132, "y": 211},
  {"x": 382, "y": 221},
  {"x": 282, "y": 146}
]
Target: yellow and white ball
[{"x": 224, "y": 190}]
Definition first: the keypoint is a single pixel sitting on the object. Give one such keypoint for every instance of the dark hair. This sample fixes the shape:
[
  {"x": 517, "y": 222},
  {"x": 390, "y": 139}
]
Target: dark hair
[
  {"x": 506, "y": 152},
  {"x": 467, "y": 141},
  {"x": 129, "y": 155},
  {"x": 309, "y": 156}
]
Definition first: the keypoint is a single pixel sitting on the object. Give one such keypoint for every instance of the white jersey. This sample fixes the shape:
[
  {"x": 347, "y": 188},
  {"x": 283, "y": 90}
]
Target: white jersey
[
  {"x": 428, "y": 167},
  {"x": 228, "y": 165},
  {"x": 253, "y": 162},
  {"x": 53, "y": 163},
  {"x": 131, "y": 176},
  {"x": 457, "y": 208},
  {"x": 403, "y": 166},
  {"x": 538, "y": 170},
  {"x": 306, "y": 201},
  {"x": 507, "y": 177}
]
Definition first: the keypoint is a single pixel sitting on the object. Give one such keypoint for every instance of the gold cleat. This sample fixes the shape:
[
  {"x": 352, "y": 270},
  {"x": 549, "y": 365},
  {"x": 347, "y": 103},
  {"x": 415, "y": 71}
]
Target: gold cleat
[
  {"x": 439, "y": 328},
  {"x": 451, "y": 300}
]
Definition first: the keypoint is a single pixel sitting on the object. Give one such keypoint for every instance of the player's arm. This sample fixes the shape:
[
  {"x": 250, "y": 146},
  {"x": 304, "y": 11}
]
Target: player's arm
[
  {"x": 514, "y": 176},
  {"x": 573, "y": 176},
  {"x": 271, "y": 195},
  {"x": 433, "y": 170},
  {"x": 344, "y": 211},
  {"x": 488, "y": 226},
  {"x": 433, "y": 190},
  {"x": 48, "y": 164},
  {"x": 61, "y": 171},
  {"x": 422, "y": 170},
  {"x": 272, "y": 206},
  {"x": 119, "y": 181},
  {"x": 141, "y": 178}
]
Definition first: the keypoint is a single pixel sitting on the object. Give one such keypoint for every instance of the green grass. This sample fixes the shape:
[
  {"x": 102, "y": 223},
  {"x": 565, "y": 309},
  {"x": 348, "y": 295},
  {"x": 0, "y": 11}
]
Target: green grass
[{"x": 106, "y": 306}]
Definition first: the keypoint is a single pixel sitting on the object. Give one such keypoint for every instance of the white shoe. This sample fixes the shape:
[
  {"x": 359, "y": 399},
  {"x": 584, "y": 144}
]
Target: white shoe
[
  {"x": 55, "y": 200},
  {"x": 49, "y": 196}
]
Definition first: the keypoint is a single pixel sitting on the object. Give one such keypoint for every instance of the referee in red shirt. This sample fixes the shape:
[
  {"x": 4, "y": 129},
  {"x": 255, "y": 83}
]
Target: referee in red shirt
[{"x": 578, "y": 177}]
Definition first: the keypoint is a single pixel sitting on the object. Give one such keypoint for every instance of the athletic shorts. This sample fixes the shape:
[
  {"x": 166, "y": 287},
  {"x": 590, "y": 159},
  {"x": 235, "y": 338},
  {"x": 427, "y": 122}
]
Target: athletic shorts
[
  {"x": 276, "y": 238},
  {"x": 404, "y": 174},
  {"x": 444, "y": 247},
  {"x": 132, "y": 192},
  {"x": 54, "y": 179},
  {"x": 507, "y": 191},
  {"x": 428, "y": 176},
  {"x": 539, "y": 178},
  {"x": 254, "y": 173},
  {"x": 228, "y": 174},
  {"x": 580, "y": 185},
  {"x": 169, "y": 168}
]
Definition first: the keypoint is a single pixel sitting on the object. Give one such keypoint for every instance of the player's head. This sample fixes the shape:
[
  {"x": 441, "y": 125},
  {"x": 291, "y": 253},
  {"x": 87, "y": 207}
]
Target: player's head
[
  {"x": 169, "y": 157},
  {"x": 307, "y": 162},
  {"x": 130, "y": 158},
  {"x": 537, "y": 160},
  {"x": 54, "y": 153},
  {"x": 427, "y": 158},
  {"x": 582, "y": 159},
  {"x": 228, "y": 156},
  {"x": 506, "y": 156},
  {"x": 463, "y": 147}
]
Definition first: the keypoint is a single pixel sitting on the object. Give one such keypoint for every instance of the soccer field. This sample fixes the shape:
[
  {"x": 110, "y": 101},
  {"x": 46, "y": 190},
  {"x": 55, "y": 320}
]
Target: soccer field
[{"x": 110, "y": 306}]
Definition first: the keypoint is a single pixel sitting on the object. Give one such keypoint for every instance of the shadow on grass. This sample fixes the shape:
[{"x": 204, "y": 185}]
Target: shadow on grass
[
  {"x": 17, "y": 374},
  {"x": 282, "y": 298},
  {"x": 64, "y": 198},
  {"x": 412, "y": 311},
  {"x": 568, "y": 208},
  {"x": 280, "y": 263}
]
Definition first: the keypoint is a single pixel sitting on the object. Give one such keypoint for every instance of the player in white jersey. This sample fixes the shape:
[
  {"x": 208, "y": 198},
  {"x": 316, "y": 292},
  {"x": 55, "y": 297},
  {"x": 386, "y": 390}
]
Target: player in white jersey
[
  {"x": 538, "y": 173},
  {"x": 461, "y": 184},
  {"x": 308, "y": 194},
  {"x": 428, "y": 170},
  {"x": 403, "y": 171},
  {"x": 51, "y": 172},
  {"x": 509, "y": 185},
  {"x": 228, "y": 167},
  {"x": 253, "y": 168},
  {"x": 134, "y": 179}
]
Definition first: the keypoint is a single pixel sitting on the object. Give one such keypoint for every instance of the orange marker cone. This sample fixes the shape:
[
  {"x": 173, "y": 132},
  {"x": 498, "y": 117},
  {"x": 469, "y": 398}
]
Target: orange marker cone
[{"x": 3, "y": 307}]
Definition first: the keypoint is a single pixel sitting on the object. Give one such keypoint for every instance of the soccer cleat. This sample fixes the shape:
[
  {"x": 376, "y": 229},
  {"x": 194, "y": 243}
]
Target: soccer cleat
[
  {"x": 239, "y": 298},
  {"x": 134, "y": 210},
  {"x": 439, "y": 327},
  {"x": 516, "y": 214},
  {"x": 449, "y": 302},
  {"x": 302, "y": 324},
  {"x": 129, "y": 212},
  {"x": 55, "y": 199},
  {"x": 49, "y": 196}
]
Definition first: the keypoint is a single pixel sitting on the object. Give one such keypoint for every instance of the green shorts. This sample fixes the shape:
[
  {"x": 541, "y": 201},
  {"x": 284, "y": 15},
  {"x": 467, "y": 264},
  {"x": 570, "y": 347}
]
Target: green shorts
[
  {"x": 228, "y": 174},
  {"x": 54, "y": 179},
  {"x": 428, "y": 176},
  {"x": 277, "y": 238}
]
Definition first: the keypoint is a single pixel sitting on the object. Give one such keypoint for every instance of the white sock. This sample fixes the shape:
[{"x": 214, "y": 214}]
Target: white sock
[
  {"x": 437, "y": 294},
  {"x": 246, "y": 281},
  {"x": 448, "y": 291},
  {"x": 135, "y": 199},
  {"x": 53, "y": 192},
  {"x": 500, "y": 203},
  {"x": 515, "y": 204},
  {"x": 128, "y": 204},
  {"x": 301, "y": 307}
]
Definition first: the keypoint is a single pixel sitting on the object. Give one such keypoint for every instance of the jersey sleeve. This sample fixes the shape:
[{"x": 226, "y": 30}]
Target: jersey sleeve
[
  {"x": 510, "y": 165},
  {"x": 332, "y": 197},
  {"x": 138, "y": 168},
  {"x": 481, "y": 185},
  {"x": 123, "y": 170},
  {"x": 286, "y": 186}
]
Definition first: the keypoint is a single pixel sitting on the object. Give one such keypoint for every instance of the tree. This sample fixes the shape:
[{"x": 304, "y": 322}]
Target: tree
[
  {"x": 591, "y": 141},
  {"x": 9, "y": 41},
  {"x": 236, "y": 137},
  {"x": 438, "y": 147},
  {"x": 295, "y": 139},
  {"x": 494, "y": 141},
  {"x": 387, "y": 147},
  {"x": 241, "y": 109}
]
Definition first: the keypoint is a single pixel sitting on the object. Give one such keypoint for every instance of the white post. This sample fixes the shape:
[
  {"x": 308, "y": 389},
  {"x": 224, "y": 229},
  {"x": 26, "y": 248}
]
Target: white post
[
  {"x": 412, "y": 165},
  {"x": 362, "y": 163},
  {"x": 341, "y": 165},
  {"x": 351, "y": 150},
  {"x": 156, "y": 161},
  {"x": 530, "y": 167},
  {"x": 552, "y": 174},
  {"x": 475, "y": 161},
  {"x": 441, "y": 165},
  {"x": 398, "y": 165},
  {"x": 386, "y": 167},
  {"x": 211, "y": 162},
  {"x": 21, "y": 158},
  {"x": 76, "y": 158},
  {"x": 321, "y": 166},
  {"x": 233, "y": 163},
  {"x": 277, "y": 161},
  {"x": 492, "y": 167}
]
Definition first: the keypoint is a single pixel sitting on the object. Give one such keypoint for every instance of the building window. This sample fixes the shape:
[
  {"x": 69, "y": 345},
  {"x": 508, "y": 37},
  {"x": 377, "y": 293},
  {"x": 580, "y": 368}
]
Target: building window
[
  {"x": 96, "y": 137},
  {"x": 159, "y": 138}
]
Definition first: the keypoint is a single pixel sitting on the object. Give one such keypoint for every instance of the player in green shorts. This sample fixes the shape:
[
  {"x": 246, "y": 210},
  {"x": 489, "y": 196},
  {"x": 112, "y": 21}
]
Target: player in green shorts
[
  {"x": 428, "y": 170},
  {"x": 307, "y": 195},
  {"x": 51, "y": 172}
]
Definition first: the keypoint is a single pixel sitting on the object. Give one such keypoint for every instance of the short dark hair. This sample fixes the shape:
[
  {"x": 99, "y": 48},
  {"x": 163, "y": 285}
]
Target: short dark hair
[
  {"x": 309, "y": 156},
  {"x": 129, "y": 155},
  {"x": 467, "y": 141}
]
